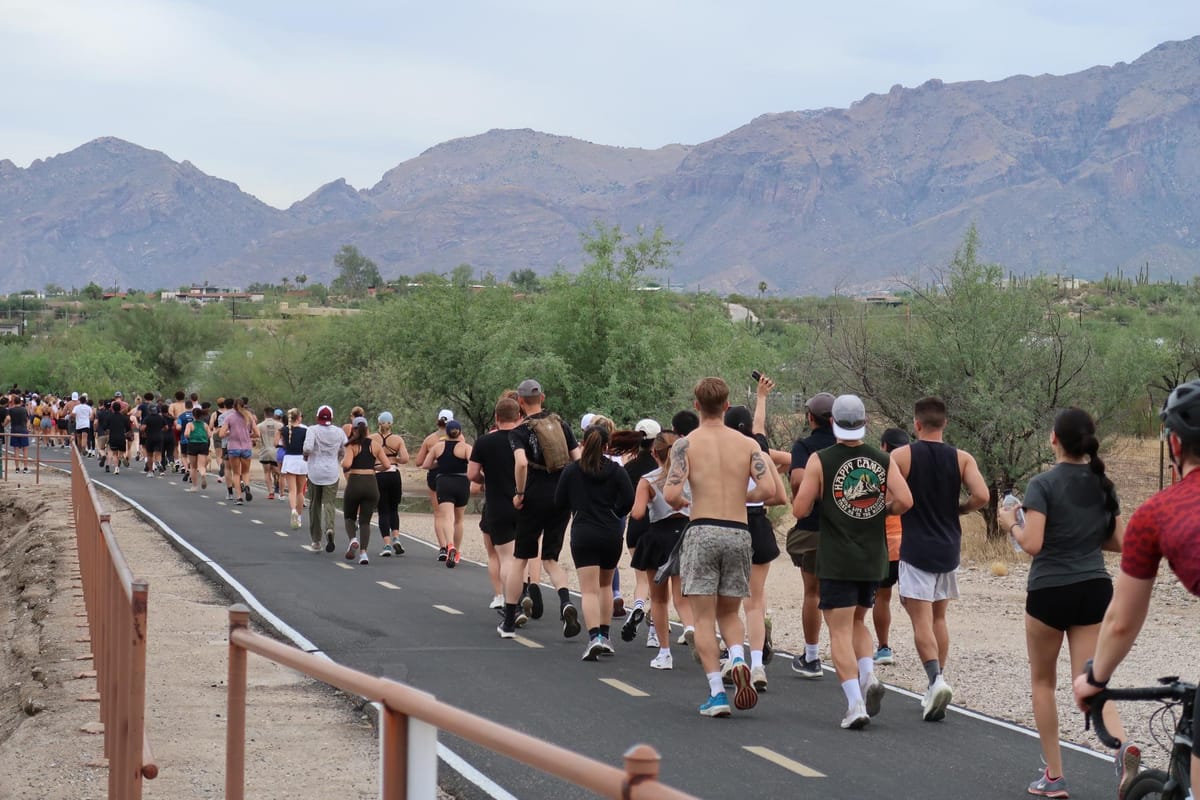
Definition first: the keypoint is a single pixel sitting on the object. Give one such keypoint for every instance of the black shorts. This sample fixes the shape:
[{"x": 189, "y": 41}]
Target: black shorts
[
  {"x": 499, "y": 521},
  {"x": 635, "y": 529},
  {"x": 431, "y": 480},
  {"x": 1070, "y": 606},
  {"x": 116, "y": 445},
  {"x": 183, "y": 446},
  {"x": 656, "y": 544},
  {"x": 453, "y": 489},
  {"x": 893, "y": 575},
  {"x": 61, "y": 424},
  {"x": 197, "y": 448},
  {"x": 847, "y": 594},
  {"x": 763, "y": 546},
  {"x": 540, "y": 518},
  {"x": 153, "y": 445},
  {"x": 589, "y": 549}
]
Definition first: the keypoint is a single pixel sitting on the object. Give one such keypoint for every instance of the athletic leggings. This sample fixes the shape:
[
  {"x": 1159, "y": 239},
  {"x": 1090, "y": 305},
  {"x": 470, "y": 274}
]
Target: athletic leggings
[
  {"x": 389, "y": 501},
  {"x": 358, "y": 504}
]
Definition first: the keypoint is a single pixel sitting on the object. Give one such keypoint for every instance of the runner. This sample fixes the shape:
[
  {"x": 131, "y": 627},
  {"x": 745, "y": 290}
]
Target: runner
[
  {"x": 931, "y": 542},
  {"x": 449, "y": 459},
  {"x": 390, "y": 487},
  {"x": 154, "y": 435},
  {"x": 714, "y": 559},
  {"x": 215, "y": 420},
  {"x": 181, "y": 423},
  {"x": 120, "y": 432},
  {"x": 881, "y": 614},
  {"x": 1071, "y": 514},
  {"x": 542, "y": 447},
  {"x": 196, "y": 435},
  {"x": 597, "y": 491},
  {"x": 101, "y": 422},
  {"x": 238, "y": 432},
  {"x": 362, "y": 455},
  {"x": 802, "y": 539},
  {"x": 666, "y": 526},
  {"x": 639, "y": 462},
  {"x": 444, "y": 416},
  {"x": 268, "y": 435},
  {"x": 171, "y": 442},
  {"x": 83, "y": 424},
  {"x": 1165, "y": 526},
  {"x": 294, "y": 466},
  {"x": 492, "y": 466},
  {"x": 764, "y": 546},
  {"x": 857, "y": 485},
  {"x": 324, "y": 446}
]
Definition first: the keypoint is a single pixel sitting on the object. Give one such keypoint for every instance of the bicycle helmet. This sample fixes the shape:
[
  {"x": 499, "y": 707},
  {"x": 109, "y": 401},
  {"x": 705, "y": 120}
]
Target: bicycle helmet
[{"x": 1181, "y": 412}]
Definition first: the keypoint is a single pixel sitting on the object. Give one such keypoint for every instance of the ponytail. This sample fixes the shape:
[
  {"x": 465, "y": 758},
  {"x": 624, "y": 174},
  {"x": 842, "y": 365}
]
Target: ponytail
[
  {"x": 594, "y": 442},
  {"x": 1076, "y": 433}
]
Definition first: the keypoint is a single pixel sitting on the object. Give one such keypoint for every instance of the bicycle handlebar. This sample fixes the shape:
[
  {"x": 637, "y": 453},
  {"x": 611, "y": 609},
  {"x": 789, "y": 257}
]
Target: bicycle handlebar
[{"x": 1176, "y": 690}]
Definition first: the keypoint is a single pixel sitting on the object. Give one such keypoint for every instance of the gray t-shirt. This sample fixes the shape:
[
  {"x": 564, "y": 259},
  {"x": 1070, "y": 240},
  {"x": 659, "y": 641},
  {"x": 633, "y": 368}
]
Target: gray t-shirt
[{"x": 1077, "y": 526}]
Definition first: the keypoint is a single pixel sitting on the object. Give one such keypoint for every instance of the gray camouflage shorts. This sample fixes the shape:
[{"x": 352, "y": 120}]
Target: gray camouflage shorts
[{"x": 714, "y": 558}]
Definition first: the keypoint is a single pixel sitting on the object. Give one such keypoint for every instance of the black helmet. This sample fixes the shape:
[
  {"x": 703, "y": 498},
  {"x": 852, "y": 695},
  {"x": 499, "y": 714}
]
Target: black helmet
[{"x": 1181, "y": 412}]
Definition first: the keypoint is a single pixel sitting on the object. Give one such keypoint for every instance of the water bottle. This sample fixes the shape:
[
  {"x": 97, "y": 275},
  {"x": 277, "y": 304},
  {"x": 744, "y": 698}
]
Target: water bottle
[{"x": 1012, "y": 501}]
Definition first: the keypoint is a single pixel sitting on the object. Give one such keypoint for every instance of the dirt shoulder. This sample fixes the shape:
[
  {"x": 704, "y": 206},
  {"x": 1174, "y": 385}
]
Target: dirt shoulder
[{"x": 304, "y": 740}]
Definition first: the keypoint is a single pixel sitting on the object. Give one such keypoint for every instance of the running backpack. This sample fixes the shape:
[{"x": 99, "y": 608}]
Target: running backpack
[{"x": 551, "y": 441}]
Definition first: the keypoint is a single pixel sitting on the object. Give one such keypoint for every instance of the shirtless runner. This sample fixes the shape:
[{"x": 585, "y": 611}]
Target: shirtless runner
[{"x": 714, "y": 558}]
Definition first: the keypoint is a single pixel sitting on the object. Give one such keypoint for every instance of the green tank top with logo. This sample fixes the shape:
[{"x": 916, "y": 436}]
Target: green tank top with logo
[
  {"x": 853, "y": 541},
  {"x": 199, "y": 434}
]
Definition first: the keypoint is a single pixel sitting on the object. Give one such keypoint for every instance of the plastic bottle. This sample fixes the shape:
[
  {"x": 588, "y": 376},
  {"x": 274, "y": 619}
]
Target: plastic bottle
[{"x": 1012, "y": 501}]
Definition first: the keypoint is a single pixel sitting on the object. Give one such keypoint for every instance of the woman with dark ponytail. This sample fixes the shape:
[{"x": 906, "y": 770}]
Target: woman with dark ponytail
[
  {"x": 599, "y": 493},
  {"x": 1071, "y": 515}
]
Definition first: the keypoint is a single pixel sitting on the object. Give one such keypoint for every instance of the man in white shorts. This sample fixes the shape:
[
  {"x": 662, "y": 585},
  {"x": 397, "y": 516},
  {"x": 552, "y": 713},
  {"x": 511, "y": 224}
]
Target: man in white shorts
[{"x": 931, "y": 540}]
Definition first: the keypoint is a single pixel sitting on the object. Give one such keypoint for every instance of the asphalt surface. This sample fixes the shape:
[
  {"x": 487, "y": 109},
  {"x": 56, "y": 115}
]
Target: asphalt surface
[{"x": 542, "y": 688}]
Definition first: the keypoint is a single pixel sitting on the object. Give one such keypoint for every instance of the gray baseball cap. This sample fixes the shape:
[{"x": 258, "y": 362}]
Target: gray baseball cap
[
  {"x": 529, "y": 388},
  {"x": 849, "y": 418}
]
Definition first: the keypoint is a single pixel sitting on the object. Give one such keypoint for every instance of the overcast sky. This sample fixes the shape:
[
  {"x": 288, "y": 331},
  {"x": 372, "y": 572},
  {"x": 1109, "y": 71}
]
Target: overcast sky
[{"x": 281, "y": 97}]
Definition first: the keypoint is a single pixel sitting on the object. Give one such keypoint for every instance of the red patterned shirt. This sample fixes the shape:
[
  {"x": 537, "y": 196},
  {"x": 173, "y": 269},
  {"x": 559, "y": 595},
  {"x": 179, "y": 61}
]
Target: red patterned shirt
[{"x": 1166, "y": 526}]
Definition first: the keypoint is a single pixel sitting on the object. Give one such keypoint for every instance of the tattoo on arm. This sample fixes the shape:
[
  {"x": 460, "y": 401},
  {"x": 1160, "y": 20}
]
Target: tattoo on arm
[
  {"x": 677, "y": 474},
  {"x": 758, "y": 467}
]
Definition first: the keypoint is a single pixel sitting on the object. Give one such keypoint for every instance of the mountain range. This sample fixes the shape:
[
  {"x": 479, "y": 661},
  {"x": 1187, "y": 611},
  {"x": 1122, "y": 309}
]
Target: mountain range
[{"x": 1074, "y": 174}]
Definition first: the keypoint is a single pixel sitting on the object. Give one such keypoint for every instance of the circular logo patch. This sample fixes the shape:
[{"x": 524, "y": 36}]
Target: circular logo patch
[{"x": 859, "y": 486}]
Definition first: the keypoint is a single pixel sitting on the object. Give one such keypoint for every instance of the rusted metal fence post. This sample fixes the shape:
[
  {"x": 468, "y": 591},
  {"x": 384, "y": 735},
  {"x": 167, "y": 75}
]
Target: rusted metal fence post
[
  {"x": 393, "y": 754},
  {"x": 235, "y": 714}
]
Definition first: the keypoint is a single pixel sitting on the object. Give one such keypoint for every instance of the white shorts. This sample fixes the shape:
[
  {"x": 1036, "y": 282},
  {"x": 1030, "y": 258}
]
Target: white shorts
[
  {"x": 294, "y": 465},
  {"x": 918, "y": 584}
]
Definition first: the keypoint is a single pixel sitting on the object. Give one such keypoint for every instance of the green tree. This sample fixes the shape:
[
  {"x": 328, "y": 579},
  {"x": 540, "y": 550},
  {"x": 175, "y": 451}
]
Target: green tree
[
  {"x": 356, "y": 272},
  {"x": 462, "y": 276},
  {"x": 93, "y": 291},
  {"x": 524, "y": 280},
  {"x": 167, "y": 339}
]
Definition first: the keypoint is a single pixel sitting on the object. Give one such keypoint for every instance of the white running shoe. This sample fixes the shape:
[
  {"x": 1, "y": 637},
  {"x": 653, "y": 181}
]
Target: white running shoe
[
  {"x": 652, "y": 638},
  {"x": 663, "y": 661},
  {"x": 362, "y": 558},
  {"x": 295, "y": 520},
  {"x": 497, "y": 601},
  {"x": 758, "y": 677},
  {"x": 352, "y": 550},
  {"x": 937, "y": 697},
  {"x": 856, "y": 718}
]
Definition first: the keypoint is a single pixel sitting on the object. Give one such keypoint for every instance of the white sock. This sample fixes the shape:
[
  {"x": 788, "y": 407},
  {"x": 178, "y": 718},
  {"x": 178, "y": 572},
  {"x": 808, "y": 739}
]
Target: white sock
[
  {"x": 737, "y": 651},
  {"x": 715, "y": 686},
  {"x": 811, "y": 652},
  {"x": 852, "y": 691},
  {"x": 756, "y": 659},
  {"x": 639, "y": 603},
  {"x": 664, "y": 651},
  {"x": 866, "y": 668},
  {"x": 691, "y": 628}
]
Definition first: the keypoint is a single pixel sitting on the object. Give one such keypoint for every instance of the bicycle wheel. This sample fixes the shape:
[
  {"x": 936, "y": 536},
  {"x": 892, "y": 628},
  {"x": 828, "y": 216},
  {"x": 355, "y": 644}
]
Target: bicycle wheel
[{"x": 1149, "y": 786}]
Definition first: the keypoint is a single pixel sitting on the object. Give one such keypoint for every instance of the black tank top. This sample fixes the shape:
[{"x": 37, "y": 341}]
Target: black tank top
[
  {"x": 365, "y": 458},
  {"x": 932, "y": 537},
  {"x": 293, "y": 440},
  {"x": 450, "y": 464}
]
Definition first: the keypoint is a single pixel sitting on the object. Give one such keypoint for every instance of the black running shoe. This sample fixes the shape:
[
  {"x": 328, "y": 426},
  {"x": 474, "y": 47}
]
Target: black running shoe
[
  {"x": 629, "y": 629},
  {"x": 441, "y": 554},
  {"x": 535, "y": 595},
  {"x": 397, "y": 548},
  {"x": 249, "y": 496},
  {"x": 570, "y": 620}
]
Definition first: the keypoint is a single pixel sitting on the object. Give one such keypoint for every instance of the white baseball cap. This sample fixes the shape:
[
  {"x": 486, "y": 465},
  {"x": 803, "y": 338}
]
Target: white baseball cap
[
  {"x": 445, "y": 415},
  {"x": 849, "y": 418},
  {"x": 586, "y": 420},
  {"x": 648, "y": 428}
]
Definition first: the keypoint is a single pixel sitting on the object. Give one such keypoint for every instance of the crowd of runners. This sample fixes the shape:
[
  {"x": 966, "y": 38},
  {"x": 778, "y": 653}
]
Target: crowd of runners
[{"x": 691, "y": 504}]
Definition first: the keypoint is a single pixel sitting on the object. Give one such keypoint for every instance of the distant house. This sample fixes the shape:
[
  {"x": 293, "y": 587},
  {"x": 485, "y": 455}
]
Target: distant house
[
  {"x": 883, "y": 299},
  {"x": 10, "y": 328},
  {"x": 211, "y": 294}
]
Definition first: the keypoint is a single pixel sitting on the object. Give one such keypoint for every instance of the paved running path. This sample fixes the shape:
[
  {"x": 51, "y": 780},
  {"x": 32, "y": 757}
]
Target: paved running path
[{"x": 430, "y": 627}]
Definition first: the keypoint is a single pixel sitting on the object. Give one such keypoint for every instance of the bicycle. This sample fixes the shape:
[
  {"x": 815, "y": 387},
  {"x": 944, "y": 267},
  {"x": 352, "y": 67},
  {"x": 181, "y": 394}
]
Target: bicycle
[{"x": 1178, "y": 701}]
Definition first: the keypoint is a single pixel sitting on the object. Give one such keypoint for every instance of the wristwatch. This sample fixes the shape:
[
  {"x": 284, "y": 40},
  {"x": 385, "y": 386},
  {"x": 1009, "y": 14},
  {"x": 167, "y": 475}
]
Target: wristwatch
[{"x": 1090, "y": 677}]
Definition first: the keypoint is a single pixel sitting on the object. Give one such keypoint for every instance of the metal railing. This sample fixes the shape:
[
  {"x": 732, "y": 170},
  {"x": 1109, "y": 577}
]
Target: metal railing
[
  {"x": 34, "y": 456},
  {"x": 409, "y": 722},
  {"x": 116, "y": 614}
]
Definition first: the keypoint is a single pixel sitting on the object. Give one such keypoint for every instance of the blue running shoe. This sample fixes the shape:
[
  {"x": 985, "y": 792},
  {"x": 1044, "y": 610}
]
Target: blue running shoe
[
  {"x": 715, "y": 706},
  {"x": 884, "y": 655}
]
